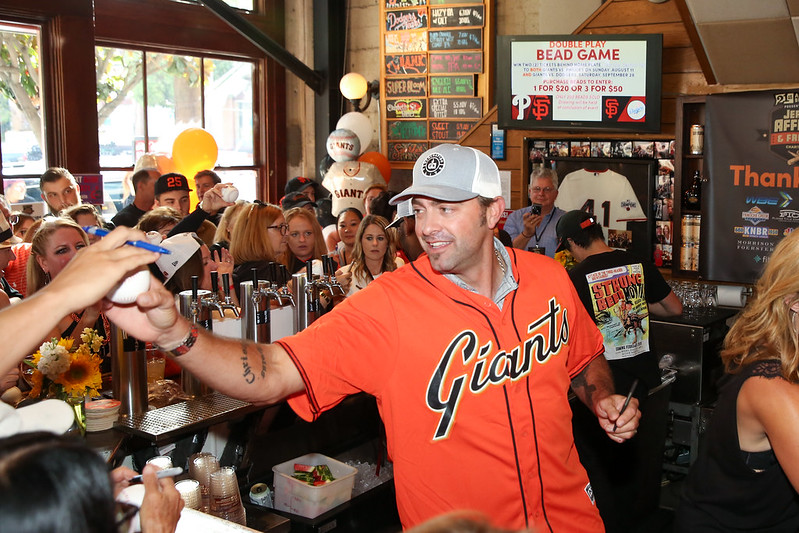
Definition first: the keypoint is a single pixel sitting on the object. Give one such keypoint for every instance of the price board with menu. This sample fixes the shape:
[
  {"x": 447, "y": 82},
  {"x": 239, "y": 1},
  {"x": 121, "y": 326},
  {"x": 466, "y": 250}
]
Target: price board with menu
[{"x": 434, "y": 83}]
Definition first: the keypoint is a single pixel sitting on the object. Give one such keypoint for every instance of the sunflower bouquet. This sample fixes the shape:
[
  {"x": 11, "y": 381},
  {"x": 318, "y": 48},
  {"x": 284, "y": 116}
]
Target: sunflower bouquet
[
  {"x": 61, "y": 371},
  {"x": 565, "y": 258}
]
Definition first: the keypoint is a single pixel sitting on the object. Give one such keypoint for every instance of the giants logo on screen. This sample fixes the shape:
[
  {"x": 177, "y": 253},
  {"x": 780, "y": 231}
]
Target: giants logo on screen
[{"x": 526, "y": 107}]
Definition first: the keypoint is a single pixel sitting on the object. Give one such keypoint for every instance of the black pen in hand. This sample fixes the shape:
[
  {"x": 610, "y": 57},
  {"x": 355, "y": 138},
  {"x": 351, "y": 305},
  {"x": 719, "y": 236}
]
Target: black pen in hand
[{"x": 626, "y": 402}]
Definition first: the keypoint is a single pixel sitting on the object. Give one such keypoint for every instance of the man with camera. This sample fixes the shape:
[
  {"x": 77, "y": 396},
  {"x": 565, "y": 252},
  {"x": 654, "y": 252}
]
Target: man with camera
[{"x": 532, "y": 228}]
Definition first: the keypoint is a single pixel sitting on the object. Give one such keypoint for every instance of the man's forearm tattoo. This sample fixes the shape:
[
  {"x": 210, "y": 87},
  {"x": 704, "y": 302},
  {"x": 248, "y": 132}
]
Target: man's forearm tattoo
[
  {"x": 586, "y": 390},
  {"x": 248, "y": 374},
  {"x": 248, "y": 371}
]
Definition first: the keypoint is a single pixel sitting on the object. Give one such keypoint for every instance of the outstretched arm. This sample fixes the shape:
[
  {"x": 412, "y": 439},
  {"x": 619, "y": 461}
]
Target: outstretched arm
[
  {"x": 84, "y": 281},
  {"x": 256, "y": 373},
  {"x": 594, "y": 387}
]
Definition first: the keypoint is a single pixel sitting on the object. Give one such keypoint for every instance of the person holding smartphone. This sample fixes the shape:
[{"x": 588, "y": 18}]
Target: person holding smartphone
[{"x": 532, "y": 228}]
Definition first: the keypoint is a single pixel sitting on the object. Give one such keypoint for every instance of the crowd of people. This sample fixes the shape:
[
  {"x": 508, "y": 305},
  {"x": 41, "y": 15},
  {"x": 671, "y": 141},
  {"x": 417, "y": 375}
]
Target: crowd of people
[{"x": 470, "y": 349}]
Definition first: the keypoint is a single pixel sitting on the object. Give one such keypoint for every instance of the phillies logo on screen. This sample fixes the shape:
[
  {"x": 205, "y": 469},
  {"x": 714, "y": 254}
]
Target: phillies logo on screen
[{"x": 526, "y": 107}]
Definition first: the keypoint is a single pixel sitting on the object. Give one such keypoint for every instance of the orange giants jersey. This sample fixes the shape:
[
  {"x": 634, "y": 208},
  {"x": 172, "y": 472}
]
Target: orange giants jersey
[{"x": 474, "y": 398}]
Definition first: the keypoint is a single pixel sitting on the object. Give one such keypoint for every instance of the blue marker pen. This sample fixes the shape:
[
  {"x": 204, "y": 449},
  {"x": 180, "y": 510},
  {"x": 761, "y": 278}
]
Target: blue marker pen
[{"x": 101, "y": 232}]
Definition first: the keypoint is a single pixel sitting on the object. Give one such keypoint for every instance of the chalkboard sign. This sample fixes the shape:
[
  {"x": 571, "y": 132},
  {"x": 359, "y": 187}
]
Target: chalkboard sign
[
  {"x": 442, "y": 63},
  {"x": 406, "y": 19},
  {"x": 406, "y": 87},
  {"x": 407, "y": 130},
  {"x": 465, "y": 85},
  {"x": 453, "y": 17},
  {"x": 394, "y": 4},
  {"x": 456, "y": 39},
  {"x": 456, "y": 107},
  {"x": 406, "y": 108},
  {"x": 405, "y": 64},
  {"x": 405, "y": 151},
  {"x": 406, "y": 41},
  {"x": 449, "y": 130}
]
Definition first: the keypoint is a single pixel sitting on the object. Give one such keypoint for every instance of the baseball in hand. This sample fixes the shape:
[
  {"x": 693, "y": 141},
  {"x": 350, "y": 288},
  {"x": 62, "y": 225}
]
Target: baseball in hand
[
  {"x": 127, "y": 290},
  {"x": 230, "y": 194}
]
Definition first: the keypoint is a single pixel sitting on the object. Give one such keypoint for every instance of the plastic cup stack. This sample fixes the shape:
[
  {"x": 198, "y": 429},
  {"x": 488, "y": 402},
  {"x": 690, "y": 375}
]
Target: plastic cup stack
[
  {"x": 201, "y": 466},
  {"x": 189, "y": 490},
  {"x": 161, "y": 461},
  {"x": 101, "y": 414},
  {"x": 225, "y": 496}
]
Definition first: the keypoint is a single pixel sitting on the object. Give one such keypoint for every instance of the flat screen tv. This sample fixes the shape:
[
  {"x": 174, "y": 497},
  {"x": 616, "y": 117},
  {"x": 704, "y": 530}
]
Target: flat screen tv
[{"x": 579, "y": 82}]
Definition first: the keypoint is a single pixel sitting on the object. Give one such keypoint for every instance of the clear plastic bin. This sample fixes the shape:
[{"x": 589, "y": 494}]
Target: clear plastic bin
[{"x": 298, "y": 497}]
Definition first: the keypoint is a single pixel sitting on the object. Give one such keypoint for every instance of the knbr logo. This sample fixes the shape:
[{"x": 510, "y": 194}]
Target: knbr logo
[
  {"x": 755, "y": 216},
  {"x": 760, "y": 232}
]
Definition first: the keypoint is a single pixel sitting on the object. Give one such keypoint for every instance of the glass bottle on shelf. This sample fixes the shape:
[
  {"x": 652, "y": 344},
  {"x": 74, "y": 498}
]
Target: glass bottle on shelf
[{"x": 692, "y": 198}]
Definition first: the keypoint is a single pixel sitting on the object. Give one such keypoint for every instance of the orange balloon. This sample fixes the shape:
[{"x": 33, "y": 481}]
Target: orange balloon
[
  {"x": 194, "y": 149},
  {"x": 380, "y": 161}
]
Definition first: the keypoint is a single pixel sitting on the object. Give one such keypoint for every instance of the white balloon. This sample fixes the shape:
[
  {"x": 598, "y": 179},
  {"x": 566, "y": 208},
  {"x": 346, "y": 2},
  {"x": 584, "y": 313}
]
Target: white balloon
[{"x": 360, "y": 124}]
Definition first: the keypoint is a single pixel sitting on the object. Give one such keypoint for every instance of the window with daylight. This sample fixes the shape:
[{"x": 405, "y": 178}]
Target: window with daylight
[
  {"x": 145, "y": 99},
  {"x": 22, "y": 132}
]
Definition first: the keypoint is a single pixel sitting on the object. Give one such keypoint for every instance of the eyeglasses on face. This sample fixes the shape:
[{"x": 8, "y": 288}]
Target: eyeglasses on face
[
  {"x": 539, "y": 190},
  {"x": 283, "y": 228}
]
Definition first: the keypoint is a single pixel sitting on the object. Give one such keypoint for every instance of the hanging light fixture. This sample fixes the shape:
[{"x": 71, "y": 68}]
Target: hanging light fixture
[{"x": 355, "y": 88}]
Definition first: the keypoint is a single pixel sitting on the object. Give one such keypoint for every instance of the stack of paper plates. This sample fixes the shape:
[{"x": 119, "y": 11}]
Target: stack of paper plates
[{"x": 101, "y": 414}]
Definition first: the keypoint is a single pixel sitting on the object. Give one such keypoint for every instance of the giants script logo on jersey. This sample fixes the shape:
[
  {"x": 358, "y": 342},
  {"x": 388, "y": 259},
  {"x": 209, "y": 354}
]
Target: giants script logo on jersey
[{"x": 551, "y": 331}]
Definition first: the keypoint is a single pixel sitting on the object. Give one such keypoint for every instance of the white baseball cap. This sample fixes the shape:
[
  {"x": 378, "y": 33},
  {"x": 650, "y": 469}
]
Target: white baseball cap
[
  {"x": 55, "y": 416},
  {"x": 182, "y": 246},
  {"x": 404, "y": 209},
  {"x": 453, "y": 173}
]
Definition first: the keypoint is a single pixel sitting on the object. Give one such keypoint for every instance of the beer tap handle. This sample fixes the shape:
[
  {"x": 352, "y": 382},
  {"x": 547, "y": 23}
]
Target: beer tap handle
[
  {"x": 254, "y": 273},
  {"x": 325, "y": 266},
  {"x": 272, "y": 272},
  {"x": 195, "y": 287},
  {"x": 309, "y": 269},
  {"x": 214, "y": 283},
  {"x": 225, "y": 285}
]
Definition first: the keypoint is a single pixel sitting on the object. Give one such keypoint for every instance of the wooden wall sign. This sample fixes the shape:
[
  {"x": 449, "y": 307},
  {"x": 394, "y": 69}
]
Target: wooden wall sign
[
  {"x": 444, "y": 62},
  {"x": 456, "y": 107},
  {"x": 405, "y": 64},
  {"x": 455, "y": 39},
  {"x": 449, "y": 130},
  {"x": 465, "y": 85},
  {"x": 452, "y": 17},
  {"x": 416, "y": 86},
  {"x": 406, "y": 151},
  {"x": 396, "y": 4},
  {"x": 406, "y": 108},
  {"x": 406, "y": 41},
  {"x": 407, "y": 130},
  {"x": 432, "y": 86},
  {"x": 406, "y": 19}
]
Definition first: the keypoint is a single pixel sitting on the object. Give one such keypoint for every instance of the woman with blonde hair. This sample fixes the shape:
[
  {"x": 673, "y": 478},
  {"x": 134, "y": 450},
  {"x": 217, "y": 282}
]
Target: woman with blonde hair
[
  {"x": 226, "y": 225},
  {"x": 374, "y": 252},
  {"x": 747, "y": 477},
  {"x": 53, "y": 246},
  {"x": 305, "y": 240},
  {"x": 258, "y": 238}
]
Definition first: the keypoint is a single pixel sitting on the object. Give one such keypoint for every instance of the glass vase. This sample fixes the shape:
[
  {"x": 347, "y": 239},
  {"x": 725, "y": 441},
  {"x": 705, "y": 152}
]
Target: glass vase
[{"x": 78, "y": 404}]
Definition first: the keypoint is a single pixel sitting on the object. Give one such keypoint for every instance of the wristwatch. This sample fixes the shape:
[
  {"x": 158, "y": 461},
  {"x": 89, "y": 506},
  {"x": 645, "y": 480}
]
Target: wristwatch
[{"x": 184, "y": 346}]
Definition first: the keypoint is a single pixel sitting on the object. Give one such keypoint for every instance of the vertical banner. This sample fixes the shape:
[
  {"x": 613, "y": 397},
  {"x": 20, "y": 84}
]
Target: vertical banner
[{"x": 751, "y": 197}]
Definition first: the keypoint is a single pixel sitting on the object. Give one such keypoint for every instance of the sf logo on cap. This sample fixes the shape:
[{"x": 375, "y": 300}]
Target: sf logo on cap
[{"x": 433, "y": 165}]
